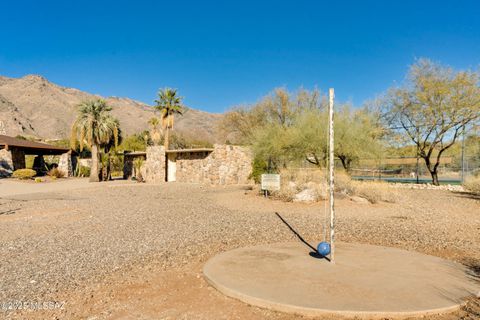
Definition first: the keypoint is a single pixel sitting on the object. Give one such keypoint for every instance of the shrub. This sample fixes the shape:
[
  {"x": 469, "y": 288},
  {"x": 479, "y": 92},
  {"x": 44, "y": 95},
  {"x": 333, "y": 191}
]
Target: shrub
[
  {"x": 295, "y": 181},
  {"x": 56, "y": 173},
  {"x": 375, "y": 192},
  {"x": 259, "y": 167},
  {"x": 344, "y": 184},
  {"x": 83, "y": 171},
  {"x": 24, "y": 174},
  {"x": 138, "y": 163},
  {"x": 38, "y": 179},
  {"x": 472, "y": 184}
]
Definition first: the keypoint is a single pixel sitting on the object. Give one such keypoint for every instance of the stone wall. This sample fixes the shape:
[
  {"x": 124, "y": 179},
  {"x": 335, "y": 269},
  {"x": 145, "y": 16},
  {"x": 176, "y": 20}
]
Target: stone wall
[
  {"x": 6, "y": 163},
  {"x": 153, "y": 170},
  {"x": 67, "y": 164},
  {"x": 224, "y": 165}
]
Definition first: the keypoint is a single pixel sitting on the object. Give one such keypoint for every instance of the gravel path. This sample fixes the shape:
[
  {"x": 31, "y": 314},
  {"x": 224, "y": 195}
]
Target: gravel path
[{"x": 61, "y": 241}]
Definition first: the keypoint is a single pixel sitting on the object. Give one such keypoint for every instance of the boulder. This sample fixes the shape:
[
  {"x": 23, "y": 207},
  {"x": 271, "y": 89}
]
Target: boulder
[
  {"x": 307, "y": 195},
  {"x": 358, "y": 199}
]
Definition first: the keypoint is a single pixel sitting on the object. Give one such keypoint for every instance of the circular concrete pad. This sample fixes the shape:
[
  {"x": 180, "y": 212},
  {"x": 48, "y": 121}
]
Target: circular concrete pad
[{"x": 365, "y": 281}]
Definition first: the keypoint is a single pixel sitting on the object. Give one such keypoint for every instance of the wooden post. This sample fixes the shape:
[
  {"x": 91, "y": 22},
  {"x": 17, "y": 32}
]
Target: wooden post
[{"x": 331, "y": 175}]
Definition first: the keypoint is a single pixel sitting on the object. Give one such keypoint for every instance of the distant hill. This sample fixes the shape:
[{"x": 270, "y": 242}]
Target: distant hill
[{"x": 33, "y": 106}]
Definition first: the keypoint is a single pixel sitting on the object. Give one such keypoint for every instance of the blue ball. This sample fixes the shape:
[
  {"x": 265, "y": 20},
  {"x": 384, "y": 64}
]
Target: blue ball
[{"x": 323, "y": 248}]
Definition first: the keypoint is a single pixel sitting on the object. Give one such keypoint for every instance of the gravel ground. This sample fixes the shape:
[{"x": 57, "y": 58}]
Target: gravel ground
[{"x": 59, "y": 245}]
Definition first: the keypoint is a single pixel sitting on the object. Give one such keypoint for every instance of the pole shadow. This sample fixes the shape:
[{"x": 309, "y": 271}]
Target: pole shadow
[{"x": 314, "y": 253}]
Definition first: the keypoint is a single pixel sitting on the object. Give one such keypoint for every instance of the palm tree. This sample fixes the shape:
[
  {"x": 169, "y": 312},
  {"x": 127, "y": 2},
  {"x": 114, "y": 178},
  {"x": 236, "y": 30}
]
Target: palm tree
[
  {"x": 168, "y": 104},
  {"x": 94, "y": 127},
  {"x": 109, "y": 150},
  {"x": 155, "y": 132}
]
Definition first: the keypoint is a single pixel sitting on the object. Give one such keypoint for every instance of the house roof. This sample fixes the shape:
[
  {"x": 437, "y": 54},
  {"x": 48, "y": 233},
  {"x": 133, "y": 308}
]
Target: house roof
[
  {"x": 30, "y": 147},
  {"x": 190, "y": 150}
]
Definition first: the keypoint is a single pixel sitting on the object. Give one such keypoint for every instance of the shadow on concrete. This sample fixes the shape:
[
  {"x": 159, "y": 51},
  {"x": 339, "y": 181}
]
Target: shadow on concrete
[
  {"x": 314, "y": 253},
  {"x": 473, "y": 269}
]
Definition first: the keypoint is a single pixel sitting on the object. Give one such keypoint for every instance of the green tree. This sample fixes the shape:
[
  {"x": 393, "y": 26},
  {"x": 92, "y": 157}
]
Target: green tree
[
  {"x": 110, "y": 153},
  {"x": 169, "y": 104},
  {"x": 280, "y": 108},
  {"x": 433, "y": 108},
  {"x": 356, "y": 136},
  {"x": 94, "y": 127},
  {"x": 135, "y": 142},
  {"x": 286, "y": 127}
]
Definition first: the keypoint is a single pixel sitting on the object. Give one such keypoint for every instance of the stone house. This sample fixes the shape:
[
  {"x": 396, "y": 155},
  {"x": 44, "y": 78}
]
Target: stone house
[{"x": 220, "y": 165}]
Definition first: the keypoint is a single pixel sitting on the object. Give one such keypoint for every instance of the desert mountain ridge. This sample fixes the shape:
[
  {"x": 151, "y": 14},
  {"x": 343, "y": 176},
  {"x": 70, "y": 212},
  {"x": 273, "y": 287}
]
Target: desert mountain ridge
[{"x": 33, "y": 106}]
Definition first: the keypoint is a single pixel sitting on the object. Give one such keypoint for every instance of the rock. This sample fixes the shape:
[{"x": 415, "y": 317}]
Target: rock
[
  {"x": 311, "y": 185},
  {"x": 358, "y": 199},
  {"x": 307, "y": 195}
]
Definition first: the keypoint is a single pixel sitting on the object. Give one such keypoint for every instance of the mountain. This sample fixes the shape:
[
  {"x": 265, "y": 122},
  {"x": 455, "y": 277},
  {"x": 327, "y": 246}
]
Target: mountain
[{"x": 33, "y": 106}]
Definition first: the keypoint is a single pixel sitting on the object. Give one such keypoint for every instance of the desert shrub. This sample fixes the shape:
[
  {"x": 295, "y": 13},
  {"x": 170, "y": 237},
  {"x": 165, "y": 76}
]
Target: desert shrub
[
  {"x": 286, "y": 193},
  {"x": 137, "y": 163},
  {"x": 259, "y": 167},
  {"x": 24, "y": 174},
  {"x": 344, "y": 184},
  {"x": 375, "y": 192},
  {"x": 55, "y": 172},
  {"x": 38, "y": 179},
  {"x": 117, "y": 173},
  {"x": 296, "y": 181},
  {"x": 472, "y": 184},
  {"x": 83, "y": 171}
]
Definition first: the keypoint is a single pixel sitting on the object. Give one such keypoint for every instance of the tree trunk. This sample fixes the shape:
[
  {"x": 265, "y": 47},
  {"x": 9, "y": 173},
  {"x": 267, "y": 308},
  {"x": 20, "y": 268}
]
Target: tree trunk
[
  {"x": 109, "y": 169},
  {"x": 166, "y": 138},
  {"x": 433, "y": 171},
  {"x": 434, "y": 175},
  {"x": 94, "y": 169},
  {"x": 346, "y": 163}
]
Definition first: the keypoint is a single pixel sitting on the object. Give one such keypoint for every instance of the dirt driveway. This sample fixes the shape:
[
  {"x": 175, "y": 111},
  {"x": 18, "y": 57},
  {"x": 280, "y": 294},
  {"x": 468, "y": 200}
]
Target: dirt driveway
[{"x": 135, "y": 251}]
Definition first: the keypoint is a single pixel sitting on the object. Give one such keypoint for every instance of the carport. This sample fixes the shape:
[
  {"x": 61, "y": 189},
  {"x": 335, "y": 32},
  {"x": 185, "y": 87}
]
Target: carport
[{"x": 14, "y": 150}]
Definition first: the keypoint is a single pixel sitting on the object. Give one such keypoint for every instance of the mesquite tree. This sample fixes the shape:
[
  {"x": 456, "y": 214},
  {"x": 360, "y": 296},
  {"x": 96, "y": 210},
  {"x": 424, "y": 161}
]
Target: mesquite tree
[{"x": 433, "y": 108}]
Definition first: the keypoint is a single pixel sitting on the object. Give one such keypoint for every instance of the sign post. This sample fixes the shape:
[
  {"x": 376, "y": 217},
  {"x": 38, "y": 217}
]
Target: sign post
[{"x": 270, "y": 182}]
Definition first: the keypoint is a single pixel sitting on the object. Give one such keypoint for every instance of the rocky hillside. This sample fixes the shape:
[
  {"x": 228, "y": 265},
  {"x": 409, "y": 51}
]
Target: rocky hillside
[{"x": 34, "y": 106}]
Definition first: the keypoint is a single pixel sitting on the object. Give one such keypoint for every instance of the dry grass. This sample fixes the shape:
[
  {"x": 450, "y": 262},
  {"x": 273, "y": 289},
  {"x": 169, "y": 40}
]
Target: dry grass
[
  {"x": 375, "y": 192},
  {"x": 473, "y": 184},
  {"x": 56, "y": 173},
  {"x": 295, "y": 181}
]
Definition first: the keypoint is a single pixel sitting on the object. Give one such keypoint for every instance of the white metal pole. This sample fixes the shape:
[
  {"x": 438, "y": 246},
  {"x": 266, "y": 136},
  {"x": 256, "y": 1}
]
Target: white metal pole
[
  {"x": 331, "y": 175},
  {"x": 463, "y": 156}
]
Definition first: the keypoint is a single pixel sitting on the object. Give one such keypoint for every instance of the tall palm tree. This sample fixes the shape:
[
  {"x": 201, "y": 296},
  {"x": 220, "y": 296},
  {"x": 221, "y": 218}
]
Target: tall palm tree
[
  {"x": 155, "y": 132},
  {"x": 168, "y": 104},
  {"x": 94, "y": 127}
]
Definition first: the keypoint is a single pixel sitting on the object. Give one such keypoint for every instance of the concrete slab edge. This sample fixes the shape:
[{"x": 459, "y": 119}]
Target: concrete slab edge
[{"x": 316, "y": 312}]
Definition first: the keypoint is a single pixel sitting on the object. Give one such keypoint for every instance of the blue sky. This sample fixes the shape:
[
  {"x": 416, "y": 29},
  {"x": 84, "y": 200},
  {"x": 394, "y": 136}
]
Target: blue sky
[{"x": 224, "y": 53}]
